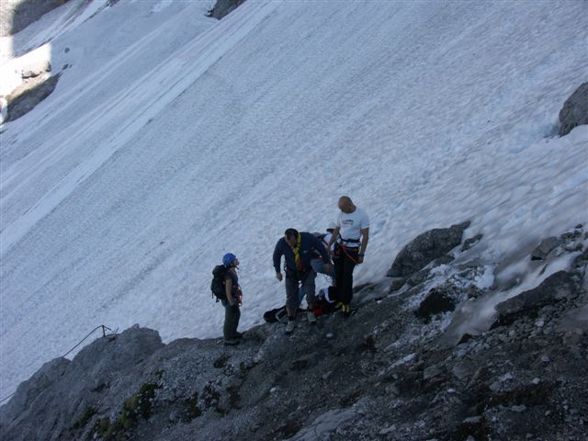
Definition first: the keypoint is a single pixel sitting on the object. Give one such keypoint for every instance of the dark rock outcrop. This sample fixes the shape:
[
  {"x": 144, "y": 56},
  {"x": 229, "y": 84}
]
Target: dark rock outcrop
[
  {"x": 25, "y": 98},
  {"x": 545, "y": 247},
  {"x": 15, "y": 15},
  {"x": 436, "y": 302},
  {"x": 557, "y": 287},
  {"x": 472, "y": 241},
  {"x": 574, "y": 111},
  {"x": 425, "y": 248},
  {"x": 224, "y": 7}
]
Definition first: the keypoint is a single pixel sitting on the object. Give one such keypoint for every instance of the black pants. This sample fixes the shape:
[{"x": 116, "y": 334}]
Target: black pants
[
  {"x": 299, "y": 286},
  {"x": 232, "y": 316},
  {"x": 345, "y": 261}
]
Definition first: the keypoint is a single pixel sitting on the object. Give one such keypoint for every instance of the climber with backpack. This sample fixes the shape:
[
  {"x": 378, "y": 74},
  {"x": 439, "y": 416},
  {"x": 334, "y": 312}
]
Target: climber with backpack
[
  {"x": 298, "y": 250},
  {"x": 225, "y": 287}
]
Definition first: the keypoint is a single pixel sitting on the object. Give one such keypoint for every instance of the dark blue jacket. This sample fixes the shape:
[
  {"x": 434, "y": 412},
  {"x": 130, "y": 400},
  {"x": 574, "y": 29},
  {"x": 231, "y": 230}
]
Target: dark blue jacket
[{"x": 309, "y": 247}]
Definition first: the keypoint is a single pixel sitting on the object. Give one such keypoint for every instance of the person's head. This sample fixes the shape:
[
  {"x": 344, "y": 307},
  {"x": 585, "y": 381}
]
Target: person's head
[
  {"x": 230, "y": 260},
  {"x": 291, "y": 237},
  {"x": 346, "y": 205}
]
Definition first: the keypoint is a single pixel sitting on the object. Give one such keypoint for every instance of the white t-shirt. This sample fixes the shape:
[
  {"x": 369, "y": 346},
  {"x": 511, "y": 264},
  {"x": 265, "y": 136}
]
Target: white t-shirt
[{"x": 350, "y": 226}]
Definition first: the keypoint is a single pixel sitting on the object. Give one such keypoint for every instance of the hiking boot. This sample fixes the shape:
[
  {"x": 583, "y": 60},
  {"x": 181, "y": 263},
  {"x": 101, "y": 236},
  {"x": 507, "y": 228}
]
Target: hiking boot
[
  {"x": 311, "y": 317},
  {"x": 231, "y": 342},
  {"x": 238, "y": 335},
  {"x": 290, "y": 326},
  {"x": 345, "y": 310}
]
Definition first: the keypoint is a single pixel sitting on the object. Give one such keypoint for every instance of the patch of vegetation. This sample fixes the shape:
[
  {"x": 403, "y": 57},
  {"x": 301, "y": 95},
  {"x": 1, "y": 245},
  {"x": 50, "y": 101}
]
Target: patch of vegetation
[
  {"x": 211, "y": 398},
  {"x": 221, "y": 361},
  {"x": 234, "y": 397},
  {"x": 103, "y": 427},
  {"x": 84, "y": 418},
  {"x": 289, "y": 429},
  {"x": 137, "y": 406},
  {"x": 191, "y": 408}
]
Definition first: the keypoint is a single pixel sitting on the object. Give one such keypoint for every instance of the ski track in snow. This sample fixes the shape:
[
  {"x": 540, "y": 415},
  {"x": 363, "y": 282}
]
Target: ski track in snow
[{"x": 190, "y": 137}]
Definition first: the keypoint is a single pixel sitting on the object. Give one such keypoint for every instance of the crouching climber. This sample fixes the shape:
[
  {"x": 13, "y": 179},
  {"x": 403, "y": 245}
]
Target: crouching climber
[{"x": 298, "y": 249}]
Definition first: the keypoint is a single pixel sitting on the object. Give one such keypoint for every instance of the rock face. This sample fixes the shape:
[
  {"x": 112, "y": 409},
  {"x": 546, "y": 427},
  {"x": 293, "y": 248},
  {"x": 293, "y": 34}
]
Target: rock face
[
  {"x": 557, "y": 287},
  {"x": 379, "y": 374},
  {"x": 574, "y": 111},
  {"x": 436, "y": 302},
  {"x": 63, "y": 391},
  {"x": 24, "y": 99},
  {"x": 426, "y": 248},
  {"x": 223, "y": 8},
  {"x": 545, "y": 247},
  {"x": 15, "y": 15}
]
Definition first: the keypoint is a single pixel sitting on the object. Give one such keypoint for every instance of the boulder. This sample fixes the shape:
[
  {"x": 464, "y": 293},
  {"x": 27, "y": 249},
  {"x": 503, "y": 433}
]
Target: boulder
[
  {"x": 425, "y": 248},
  {"x": 576, "y": 320},
  {"x": 557, "y": 287},
  {"x": 436, "y": 302},
  {"x": 545, "y": 247},
  {"x": 15, "y": 15},
  {"x": 469, "y": 243},
  {"x": 574, "y": 111},
  {"x": 26, "y": 97},
  {"x": 223, "y": 8}
]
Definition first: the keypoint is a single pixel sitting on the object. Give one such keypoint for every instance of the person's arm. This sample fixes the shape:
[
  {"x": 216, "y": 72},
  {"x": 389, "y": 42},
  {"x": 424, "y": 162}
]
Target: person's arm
[
  {"x": 317, "y": 244},
  {"x": 229, "y": 290},
  {"x": 365, "y": 237},
  {"x": 277, "y": 257}
]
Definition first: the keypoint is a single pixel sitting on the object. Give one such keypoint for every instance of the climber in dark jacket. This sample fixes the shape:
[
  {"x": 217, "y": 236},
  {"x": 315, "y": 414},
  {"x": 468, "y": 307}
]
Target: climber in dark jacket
[{"x": 298, "y": 250}]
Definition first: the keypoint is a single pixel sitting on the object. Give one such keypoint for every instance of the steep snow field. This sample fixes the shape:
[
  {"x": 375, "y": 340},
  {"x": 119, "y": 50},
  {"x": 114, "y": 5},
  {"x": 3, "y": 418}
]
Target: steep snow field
[{"x": 174, "y": 138}]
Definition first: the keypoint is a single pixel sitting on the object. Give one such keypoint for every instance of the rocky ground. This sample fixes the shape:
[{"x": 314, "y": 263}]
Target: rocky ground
[{"x": 402, "y": 367}]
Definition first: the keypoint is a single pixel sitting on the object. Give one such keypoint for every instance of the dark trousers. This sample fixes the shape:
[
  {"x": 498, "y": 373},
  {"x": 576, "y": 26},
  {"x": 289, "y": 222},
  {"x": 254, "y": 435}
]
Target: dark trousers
[
  {"x": 232, "y": 316},
  {"x": 299, "y": 286},
  {"x": 345, "y": 261}
]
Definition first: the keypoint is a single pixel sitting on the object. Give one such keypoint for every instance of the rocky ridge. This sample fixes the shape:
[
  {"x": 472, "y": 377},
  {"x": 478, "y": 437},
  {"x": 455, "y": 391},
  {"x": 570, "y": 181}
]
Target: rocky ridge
[{"x": 393, "y": 371}]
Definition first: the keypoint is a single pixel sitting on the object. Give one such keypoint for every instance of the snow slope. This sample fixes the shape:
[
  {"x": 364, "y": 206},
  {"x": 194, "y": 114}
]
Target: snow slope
[{"x": 174, "y": 138}]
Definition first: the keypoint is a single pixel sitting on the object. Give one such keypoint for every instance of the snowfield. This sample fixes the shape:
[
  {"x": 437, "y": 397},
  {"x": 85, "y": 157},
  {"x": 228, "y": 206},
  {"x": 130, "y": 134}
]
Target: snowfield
[{"x": 174, "y": 138}]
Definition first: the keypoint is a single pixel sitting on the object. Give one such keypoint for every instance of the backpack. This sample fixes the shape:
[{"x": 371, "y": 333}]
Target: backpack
[
  {"x": 217, "y": 286},
  {"x": 277, "y": 315}
]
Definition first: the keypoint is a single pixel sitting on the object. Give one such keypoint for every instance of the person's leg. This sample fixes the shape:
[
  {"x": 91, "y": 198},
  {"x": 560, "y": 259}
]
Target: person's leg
[
  {"x": 300, "y": 296},
  {"x": 348, "y": 265},
  {"x": 339, "y": 260},
  {"x": 292, "y": 302},
  {"x": 232, "y": 316},
  {"x": 308, "y": 288},
  {"x": 236, "y": 318},
  {"x": 292, "y": 292},
  {"x": 322, "y": 268}
]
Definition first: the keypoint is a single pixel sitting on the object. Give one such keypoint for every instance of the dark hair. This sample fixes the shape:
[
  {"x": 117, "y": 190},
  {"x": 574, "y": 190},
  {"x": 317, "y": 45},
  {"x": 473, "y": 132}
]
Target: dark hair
[{"x": 291, "y": 232}]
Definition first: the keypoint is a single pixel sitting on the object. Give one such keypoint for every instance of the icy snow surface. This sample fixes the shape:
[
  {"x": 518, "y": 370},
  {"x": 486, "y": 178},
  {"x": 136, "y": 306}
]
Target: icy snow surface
[{"x": 174, "y": 138}]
